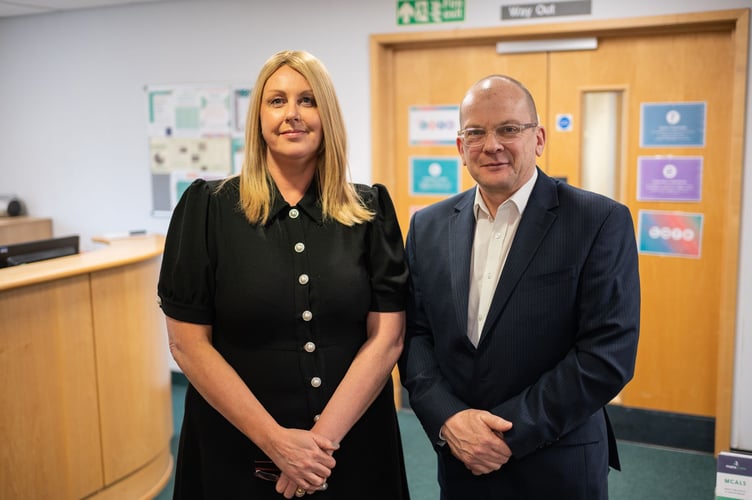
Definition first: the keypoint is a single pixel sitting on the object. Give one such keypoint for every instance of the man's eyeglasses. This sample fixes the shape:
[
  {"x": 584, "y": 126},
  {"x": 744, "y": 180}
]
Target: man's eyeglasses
[{"x": 505, "y": 134}]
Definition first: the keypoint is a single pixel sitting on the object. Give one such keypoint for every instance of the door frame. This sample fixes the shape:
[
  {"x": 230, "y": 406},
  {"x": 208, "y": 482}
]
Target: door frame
[{"x": 735, "y": 22}]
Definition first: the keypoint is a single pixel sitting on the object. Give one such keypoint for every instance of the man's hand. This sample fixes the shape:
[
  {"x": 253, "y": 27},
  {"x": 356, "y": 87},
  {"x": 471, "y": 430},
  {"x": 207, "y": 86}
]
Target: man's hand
[{"x": 476, "y": 437}]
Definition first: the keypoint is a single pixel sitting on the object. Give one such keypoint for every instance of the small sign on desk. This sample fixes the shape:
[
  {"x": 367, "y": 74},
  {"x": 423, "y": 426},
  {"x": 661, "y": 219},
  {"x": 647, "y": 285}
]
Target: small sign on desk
[{"x": 734, "y": 476}]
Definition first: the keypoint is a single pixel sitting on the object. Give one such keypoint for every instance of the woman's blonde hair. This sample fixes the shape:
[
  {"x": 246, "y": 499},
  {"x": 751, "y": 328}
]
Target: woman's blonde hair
[{"x": 339, "y": 199}]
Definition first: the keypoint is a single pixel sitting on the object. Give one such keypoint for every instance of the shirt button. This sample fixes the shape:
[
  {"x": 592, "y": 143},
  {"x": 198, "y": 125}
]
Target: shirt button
[
  {"x": 307, "y": 315},
  {"x": 316, "y": 419},
  {"x": 497, "y": 235},
  {"x": 303, "y": 279},
  {"x": 294, "y": 213},
  {"x": 316, "y": 382},
  {"x": 309, "y": 347},
  {"x": 299, "y": 247}
]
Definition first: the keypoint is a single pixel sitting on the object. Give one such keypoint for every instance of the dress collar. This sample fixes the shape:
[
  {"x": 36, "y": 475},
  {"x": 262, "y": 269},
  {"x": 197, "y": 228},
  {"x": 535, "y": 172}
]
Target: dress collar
[{"x": 309, "y": 205}]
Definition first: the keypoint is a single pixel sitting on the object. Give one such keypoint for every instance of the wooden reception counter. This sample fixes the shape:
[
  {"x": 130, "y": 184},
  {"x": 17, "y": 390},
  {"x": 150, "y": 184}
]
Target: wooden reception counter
[{"x": 84, "y": 376}]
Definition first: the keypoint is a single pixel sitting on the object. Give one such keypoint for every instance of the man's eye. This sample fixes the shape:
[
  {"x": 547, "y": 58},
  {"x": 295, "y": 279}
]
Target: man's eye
[
  {"x": 475, "y": 132},
  {"x": 508, "y": 130}
]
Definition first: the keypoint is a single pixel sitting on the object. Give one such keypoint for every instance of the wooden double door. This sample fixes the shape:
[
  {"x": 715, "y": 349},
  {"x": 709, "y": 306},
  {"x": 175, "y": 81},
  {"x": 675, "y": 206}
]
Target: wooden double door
[{"x": 685, "y": 356}]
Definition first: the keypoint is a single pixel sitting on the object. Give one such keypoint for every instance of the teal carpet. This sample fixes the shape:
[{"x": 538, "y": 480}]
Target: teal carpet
[{"x": 648, "y": 472}]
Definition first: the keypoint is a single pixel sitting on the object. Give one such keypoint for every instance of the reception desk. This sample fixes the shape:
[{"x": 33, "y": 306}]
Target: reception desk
[{"x": 84, "y": 376}]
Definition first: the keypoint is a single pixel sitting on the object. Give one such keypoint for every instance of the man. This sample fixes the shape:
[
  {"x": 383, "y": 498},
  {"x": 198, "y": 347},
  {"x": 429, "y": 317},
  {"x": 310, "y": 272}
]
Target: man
[{"x": 523, "y": 316}]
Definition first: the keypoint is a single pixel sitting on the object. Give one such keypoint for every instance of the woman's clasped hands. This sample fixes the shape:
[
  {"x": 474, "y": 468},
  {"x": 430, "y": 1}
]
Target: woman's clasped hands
[{"x": 305, "y": 461}]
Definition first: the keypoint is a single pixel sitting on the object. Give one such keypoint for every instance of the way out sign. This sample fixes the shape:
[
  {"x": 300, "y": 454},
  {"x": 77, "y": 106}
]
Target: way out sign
[{"x": 430, "y": 11}]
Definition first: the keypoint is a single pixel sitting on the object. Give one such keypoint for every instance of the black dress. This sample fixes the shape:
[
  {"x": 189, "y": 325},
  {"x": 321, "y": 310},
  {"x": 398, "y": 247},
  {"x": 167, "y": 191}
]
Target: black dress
[{"x": 287, "y": 302}]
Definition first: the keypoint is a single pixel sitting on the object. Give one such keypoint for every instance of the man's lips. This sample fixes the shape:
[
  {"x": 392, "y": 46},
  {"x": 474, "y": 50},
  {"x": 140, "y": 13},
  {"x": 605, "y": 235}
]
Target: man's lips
[{"x": 499, "y": 164}]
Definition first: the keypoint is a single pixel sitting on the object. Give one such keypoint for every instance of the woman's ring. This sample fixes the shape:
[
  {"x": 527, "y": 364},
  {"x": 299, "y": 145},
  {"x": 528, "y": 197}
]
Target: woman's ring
[{"x": 299, "y": 492}]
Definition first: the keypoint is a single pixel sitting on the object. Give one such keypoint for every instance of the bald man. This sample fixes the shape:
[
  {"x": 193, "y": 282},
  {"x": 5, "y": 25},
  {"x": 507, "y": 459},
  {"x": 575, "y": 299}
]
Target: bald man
[{"x": 523, "y": 315}]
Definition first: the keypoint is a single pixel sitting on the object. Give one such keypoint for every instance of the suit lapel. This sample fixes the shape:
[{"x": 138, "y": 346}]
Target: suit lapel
[
  {"x": 461, "y": 230},
  {"x": 535, "y": 223}
]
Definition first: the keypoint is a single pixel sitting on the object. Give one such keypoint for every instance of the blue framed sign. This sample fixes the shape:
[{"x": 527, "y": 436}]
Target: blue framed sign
[
  {"x": 674, "y": 124},
  {"x": 433, "y": 175}
]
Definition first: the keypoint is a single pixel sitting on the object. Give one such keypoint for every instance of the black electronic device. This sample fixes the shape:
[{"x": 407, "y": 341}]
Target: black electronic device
[{"x": 33, "y": 251}]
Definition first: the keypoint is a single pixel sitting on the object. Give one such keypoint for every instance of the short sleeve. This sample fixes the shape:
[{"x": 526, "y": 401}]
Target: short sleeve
[
  {"x": 186, "y": 284},
  {"x": 386, "y": 252}
]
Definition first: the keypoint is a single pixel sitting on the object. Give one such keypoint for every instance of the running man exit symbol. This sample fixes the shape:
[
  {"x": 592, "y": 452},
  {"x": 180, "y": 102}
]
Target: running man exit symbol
[{"x": 430, "y": 11}]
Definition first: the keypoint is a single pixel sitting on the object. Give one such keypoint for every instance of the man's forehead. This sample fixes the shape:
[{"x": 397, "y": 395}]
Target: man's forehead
[{"x": 491, "y": 82}]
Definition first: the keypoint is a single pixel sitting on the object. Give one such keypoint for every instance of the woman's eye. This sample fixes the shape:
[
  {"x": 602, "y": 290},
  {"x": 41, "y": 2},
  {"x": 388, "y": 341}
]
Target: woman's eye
[
  {"x": 276, "y": 101},
  {"x": 308, "y": 101}
]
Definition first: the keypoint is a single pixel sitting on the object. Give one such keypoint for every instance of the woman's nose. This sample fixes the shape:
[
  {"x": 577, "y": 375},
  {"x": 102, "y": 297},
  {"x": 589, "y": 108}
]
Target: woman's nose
[{"x": 293, "y": 113}]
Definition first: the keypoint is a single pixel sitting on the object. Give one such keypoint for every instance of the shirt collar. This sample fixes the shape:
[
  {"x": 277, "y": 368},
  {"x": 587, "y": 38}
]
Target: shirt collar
[{"x": 519, "y": 198}]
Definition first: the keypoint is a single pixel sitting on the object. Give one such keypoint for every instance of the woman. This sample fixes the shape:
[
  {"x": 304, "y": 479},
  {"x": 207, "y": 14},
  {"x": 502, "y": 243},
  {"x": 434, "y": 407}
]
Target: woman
[{"x": 284, "y": 293}]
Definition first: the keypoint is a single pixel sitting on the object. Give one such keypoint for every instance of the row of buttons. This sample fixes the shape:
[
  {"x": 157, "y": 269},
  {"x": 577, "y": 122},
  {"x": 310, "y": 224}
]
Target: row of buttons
[{"x": 304, "y": 279}]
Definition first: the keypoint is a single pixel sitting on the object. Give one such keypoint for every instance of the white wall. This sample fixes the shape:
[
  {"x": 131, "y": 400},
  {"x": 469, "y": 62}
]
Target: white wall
[{"x": 73, "y": 110}]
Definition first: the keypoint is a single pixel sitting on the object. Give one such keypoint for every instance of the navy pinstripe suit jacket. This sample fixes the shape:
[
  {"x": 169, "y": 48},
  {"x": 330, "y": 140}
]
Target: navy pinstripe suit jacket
[{"x": 558, "y": 344}]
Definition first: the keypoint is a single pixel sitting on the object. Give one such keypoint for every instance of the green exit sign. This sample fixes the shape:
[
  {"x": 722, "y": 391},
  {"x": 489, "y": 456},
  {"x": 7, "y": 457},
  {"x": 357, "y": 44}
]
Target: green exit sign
[{"x": 430, "y": 11}]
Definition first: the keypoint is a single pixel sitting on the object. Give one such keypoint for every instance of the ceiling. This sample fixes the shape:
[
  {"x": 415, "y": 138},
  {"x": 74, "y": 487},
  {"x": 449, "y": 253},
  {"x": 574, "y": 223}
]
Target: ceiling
[{"x": 10, "y": 8}]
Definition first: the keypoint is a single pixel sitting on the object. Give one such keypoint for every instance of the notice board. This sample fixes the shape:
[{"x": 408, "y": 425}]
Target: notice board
[{"x": 194, "y": 131}]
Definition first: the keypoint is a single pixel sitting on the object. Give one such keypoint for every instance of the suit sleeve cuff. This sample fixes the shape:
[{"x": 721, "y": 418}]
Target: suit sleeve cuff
[{"x": 441, "y": 441}]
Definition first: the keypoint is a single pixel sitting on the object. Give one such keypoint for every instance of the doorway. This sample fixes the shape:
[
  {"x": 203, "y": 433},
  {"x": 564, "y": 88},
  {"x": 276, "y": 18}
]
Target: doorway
[{"x": 685, "y": 358}]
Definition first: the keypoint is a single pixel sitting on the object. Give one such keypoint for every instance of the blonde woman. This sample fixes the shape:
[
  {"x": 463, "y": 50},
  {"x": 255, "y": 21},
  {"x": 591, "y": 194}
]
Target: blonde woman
[{"x": 284, "y": 292}]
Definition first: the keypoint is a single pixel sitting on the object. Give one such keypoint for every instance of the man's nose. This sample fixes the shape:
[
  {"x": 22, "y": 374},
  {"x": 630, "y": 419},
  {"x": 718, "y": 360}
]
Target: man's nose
[{"x": 492, "y": 142}]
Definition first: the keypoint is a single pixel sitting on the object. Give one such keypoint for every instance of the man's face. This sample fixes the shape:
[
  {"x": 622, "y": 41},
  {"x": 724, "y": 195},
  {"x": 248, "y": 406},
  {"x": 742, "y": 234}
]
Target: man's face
[{"x": 502, "y": 162}]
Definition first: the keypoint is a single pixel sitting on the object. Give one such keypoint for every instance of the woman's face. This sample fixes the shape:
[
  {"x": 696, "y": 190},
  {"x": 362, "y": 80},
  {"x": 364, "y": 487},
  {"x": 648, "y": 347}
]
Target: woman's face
[{"x": 290, "y": 122}]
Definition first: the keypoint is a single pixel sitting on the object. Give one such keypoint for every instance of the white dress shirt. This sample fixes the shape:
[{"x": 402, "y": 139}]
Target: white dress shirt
[{"x": 493, "y": 238}]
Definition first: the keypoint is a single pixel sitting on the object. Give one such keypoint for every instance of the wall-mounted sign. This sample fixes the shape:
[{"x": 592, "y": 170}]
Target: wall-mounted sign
[
  {"x": 564, "y": 122},
  {"x": 672, "y": 124},
  {"x": 434, "y": 175},
  {"x": 430, "y": 11},
  {"x": 676, "y": 234},
  {"x": 434, "y": 125},
  {"x": 669, "y": 178},
  {"x": 545, "y": 9}
]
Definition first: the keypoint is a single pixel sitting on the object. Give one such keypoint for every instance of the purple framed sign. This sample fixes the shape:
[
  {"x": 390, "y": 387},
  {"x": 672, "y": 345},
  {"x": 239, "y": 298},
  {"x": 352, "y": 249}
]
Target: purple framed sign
[{"x": 671, "y": 178}]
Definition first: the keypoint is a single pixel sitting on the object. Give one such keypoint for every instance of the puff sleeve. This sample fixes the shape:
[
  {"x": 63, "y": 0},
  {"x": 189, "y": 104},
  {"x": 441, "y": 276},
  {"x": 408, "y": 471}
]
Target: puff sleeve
[
  {"x": 386, "y": 252},
  {"x": 186, "y": 279}
]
